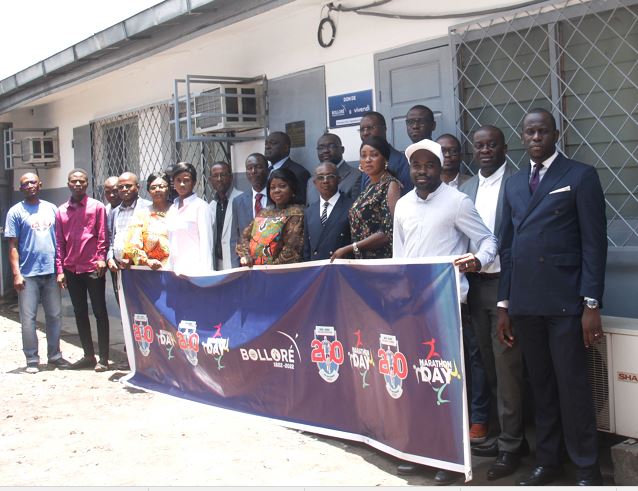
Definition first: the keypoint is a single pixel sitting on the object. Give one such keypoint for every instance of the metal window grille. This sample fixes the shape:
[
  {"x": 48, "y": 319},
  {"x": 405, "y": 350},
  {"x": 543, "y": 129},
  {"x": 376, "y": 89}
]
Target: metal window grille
[
  {"x": 142, "y": 141},
  {"x": 575, "y": 58}
]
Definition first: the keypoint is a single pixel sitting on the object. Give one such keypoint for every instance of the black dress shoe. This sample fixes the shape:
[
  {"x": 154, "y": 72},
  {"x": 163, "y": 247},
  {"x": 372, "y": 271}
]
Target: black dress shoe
[
  {"x": 489, "y": 450},
  {"x": 589, "y": 477},
  {"x": 60, "y": 363},
  {"x": 506, "y": 463},
  {"x": 443, "y": 477},
  {"x": 84, "y": 362},
  {"x": 540, "y": 476},
  {"x": 408, "y": 468}
]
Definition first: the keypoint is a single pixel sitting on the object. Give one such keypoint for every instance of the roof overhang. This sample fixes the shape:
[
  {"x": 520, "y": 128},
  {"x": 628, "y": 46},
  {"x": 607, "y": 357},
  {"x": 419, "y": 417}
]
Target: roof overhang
[{"x": 155, "y": 29}]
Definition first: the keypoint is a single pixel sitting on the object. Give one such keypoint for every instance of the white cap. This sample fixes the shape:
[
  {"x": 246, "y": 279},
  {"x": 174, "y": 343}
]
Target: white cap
[{"x": 425, "y": 144}]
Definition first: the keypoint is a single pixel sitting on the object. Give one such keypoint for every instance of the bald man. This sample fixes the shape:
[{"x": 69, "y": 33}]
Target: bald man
[{"x": 30, "y": 228}]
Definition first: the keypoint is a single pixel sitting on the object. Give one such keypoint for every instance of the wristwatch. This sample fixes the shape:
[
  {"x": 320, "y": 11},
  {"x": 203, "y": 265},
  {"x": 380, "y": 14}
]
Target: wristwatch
[
  {"x": 591, "y": 303},
  {"x": 355, "y": 249}
]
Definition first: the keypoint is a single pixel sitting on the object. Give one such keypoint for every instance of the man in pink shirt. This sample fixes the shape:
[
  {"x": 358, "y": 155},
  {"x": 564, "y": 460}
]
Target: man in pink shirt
[{"x": 80, "y": 260}]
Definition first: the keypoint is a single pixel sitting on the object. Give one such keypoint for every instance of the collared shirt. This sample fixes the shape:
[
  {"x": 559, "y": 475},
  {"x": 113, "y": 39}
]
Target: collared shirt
[
  {"x": 486, "y": 203},
  {"x": 120, "y": 219},
  {"x": 546, "y": 163},
  {"x": 278, "y": 164},
  {"x": 80, "y": 235},
  {"x": 263, "y": 200},
  {"x": 454, "y": 183},
  {"x": 441, "y": 225},
  {"x": 190, "y": 235},
  {"x": 331, "y": 204}
]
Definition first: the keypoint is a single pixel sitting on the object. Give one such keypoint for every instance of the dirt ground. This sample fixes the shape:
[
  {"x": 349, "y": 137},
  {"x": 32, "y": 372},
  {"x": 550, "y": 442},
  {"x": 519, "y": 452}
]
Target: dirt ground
[{"x": 71, "y": 428}]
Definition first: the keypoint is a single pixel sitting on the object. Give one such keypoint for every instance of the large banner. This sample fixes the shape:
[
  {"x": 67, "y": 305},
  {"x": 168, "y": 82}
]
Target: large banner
[{"x": 364, "y": 350}]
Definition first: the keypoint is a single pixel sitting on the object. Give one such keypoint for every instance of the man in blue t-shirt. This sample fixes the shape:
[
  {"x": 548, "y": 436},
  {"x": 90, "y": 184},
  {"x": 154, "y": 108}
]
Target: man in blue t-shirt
[{"x": 30, "y": 228}]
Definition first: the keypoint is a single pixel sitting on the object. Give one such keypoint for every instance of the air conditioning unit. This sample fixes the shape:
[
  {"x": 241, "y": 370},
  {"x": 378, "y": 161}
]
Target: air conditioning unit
[
  {"x": 29, "y": 148},
  {"x": 229, "y": 108},
  {"x": 612, "y": 369},
  {"x": 40, "y": 150}
]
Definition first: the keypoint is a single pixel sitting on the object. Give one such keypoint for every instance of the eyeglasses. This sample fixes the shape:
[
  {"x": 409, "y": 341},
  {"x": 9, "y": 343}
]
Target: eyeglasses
[
  {"x": 366, "y": 129},
  {"x": 325, "y": 177},
  {"x": 220, "y": 176},
  {"x": 452, "y": 152},
  {"x": 154, "y": 187},
  {"x": 126, "y": 186},
  {"x": 417, "y": 122},
  {"x": 26, "y": 184},
  {"x": 329, "y": 146}
]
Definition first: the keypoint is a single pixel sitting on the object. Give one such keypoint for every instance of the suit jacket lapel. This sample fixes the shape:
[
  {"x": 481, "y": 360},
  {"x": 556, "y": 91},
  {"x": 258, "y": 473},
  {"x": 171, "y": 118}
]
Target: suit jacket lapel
[
  {"x": 551, "y": 177},
  {"x": 499, "y": 203}
]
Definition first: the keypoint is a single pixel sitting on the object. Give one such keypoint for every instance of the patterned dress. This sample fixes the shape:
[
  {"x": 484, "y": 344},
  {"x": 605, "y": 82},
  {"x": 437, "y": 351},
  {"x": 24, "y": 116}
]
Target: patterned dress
[
  {"x": 147, "y": 238},
  {"x": 274, "y": 237},
  {"x": 370, "y": 213}
]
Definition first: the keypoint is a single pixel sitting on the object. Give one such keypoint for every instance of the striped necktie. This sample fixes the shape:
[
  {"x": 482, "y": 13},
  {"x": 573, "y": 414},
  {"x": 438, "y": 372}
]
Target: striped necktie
[{"x": 324, "y": 214}]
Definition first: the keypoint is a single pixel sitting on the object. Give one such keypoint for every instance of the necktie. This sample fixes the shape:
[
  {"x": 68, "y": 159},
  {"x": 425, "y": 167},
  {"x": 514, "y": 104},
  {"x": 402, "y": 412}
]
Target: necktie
[
  {"x": 324, "y": 214},
  {"x": 536, "y": 178},
  {"x": 258, "y": 206}
]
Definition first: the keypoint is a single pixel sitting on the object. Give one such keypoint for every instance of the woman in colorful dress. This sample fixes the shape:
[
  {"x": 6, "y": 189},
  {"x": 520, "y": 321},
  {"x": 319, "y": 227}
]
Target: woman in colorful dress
[
  {"x": 275, "y": 236},
  {"x": 147, "y": 241},
  {"x": 372, "y": 213}
]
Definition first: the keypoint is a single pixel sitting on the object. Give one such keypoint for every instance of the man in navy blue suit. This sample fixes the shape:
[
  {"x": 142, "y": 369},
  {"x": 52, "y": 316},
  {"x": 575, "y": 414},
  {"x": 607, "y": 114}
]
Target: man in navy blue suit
[
  {"x": 553, "y": 256},
  {"x": 326, "y": 224},
  {"x": 277, "y": 151}
]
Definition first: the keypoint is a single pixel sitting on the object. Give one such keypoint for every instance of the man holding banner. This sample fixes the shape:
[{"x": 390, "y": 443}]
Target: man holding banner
[{"x": 437, "y": 220}]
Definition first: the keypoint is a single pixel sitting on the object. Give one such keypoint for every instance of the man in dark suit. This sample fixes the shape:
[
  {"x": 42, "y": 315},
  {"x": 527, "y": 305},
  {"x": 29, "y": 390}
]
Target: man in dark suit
[
  {"x": 330, "y": 149},
  {"x": 503, "y": 365},
  {"x": 326, "y": 225},
  {"x": 247, "y": 205},
  {"x": 553, "y": 256},
  {"x": 373, "y": 124},
  {"x": 277, "y": 151}
]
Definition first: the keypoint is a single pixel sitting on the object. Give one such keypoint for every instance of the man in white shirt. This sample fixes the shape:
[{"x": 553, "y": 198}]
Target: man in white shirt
[
  {"x": 503, "y": 365},
  {"x": 247, "y": 205},
  {"x": 436, "y": 220},
  {"x": 326, "y": 224}
]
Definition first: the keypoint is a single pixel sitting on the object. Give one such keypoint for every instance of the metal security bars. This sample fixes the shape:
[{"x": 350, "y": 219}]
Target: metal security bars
[
  {"x": 142, "y": 141},
  {"x": 577, "y": 59}
]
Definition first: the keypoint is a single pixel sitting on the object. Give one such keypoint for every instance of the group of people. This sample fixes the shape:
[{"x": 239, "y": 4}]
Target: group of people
[{"x": 530, "y": 246}]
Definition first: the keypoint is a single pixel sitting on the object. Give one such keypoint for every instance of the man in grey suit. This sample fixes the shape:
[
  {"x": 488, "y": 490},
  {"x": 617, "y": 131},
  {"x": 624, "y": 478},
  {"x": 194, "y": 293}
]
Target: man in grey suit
[
  {"x": 247, "y": 205},
  {"x": 330, "y": 149},
  {"x": 221, "y": 179},
  {"x": 451, "y": 172},
  {"x": 503, "y": 364}
]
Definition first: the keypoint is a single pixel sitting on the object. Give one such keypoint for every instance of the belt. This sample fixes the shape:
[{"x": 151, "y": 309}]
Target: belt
[{"x": 486, "y": 276}]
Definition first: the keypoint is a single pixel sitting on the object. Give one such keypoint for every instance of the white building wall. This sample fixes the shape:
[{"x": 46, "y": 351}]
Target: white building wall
[{"x": 276, "y": 43}]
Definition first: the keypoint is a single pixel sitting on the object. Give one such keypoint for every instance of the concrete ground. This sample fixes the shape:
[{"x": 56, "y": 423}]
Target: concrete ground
[{"x": 113, "y": 435}]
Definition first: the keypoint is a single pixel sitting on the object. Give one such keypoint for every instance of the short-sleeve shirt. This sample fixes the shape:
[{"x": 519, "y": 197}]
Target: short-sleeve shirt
[{"x": 34, "y": 227}]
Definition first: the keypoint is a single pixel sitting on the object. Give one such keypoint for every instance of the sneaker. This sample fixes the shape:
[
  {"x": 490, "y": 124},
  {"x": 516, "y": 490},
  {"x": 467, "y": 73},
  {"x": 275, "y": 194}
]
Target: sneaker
[
  {"x": 101, "y": 366},
  {"x": 84, "y": 362},
  {"x": 32, "y": 367},
  {"x": 478, "y": 433},
  {"x": 60, "y": 363}
]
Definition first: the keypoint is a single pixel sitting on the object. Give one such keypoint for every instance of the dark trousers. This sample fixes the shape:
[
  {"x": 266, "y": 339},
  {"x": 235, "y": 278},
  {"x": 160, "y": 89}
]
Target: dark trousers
[
  {"x": 78, "y": 285},
  {"x": 503, "y": 365},
  {"x": 477, "y": 385},
  {"x": 554, "y": 354}
]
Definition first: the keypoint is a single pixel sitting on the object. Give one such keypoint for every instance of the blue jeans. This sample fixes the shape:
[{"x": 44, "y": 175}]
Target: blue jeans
[{"x": 42, "y": 288}]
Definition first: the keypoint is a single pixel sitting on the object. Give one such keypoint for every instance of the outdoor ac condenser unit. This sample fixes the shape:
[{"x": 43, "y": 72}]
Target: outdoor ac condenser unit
[
  {"x": 229, "y": 108},
  {"x": 612, "y": 368},
  {"x": 41, "y": 150}
]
